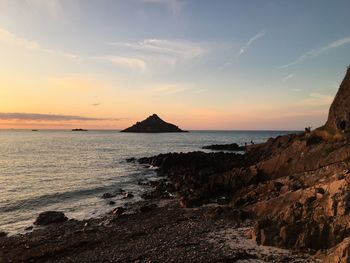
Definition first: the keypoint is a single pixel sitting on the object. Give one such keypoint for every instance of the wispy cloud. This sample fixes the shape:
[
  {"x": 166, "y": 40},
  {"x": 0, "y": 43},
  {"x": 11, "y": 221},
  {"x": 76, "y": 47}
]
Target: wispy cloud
[
  {"x": 48, "y": 117},
  {"x": 95, "y": 104},
  {"x": 288, "y": 77},
  {"x": 174, "y": 5},
  {"x": 129, "y": 62},
  {"x": 318, "y": 51},
  {"x": 317, "y": 99},
  {"x": 157, "y": 51},
  {"x": 250, "y": 42},
  {"x": 171, "y": 48},
  {"x": 12, "y": 39}
]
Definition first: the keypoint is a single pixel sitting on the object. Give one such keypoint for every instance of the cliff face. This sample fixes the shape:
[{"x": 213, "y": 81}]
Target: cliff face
[
  {"x": 339, "y": 113},
  {"x": 153, "y": 124}
]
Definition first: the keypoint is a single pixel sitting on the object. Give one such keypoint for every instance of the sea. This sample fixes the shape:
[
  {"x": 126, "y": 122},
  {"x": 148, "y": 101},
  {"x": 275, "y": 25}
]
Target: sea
[{"x": 69, "y": 171}]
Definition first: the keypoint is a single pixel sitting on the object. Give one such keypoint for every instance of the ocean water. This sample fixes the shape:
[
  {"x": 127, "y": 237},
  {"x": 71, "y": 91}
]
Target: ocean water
[{"x": 69, "y": 171}]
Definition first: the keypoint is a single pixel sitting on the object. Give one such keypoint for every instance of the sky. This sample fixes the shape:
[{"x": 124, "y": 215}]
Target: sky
[{"x": 201, "y": 64}]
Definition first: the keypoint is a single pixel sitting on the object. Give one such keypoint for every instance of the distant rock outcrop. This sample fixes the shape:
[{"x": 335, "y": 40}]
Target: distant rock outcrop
[
  {"x": 224, "y": 147},
  {"x": 153, "y": 124},
  {"x": 339, "y": 113}
]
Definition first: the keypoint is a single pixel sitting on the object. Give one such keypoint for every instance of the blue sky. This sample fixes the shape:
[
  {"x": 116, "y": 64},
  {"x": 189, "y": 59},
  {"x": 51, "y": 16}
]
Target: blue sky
[{"x": 202, "y": 64}]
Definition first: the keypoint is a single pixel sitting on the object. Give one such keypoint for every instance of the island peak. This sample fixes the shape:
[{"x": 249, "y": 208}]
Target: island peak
[{"x": 153, "y": 124}]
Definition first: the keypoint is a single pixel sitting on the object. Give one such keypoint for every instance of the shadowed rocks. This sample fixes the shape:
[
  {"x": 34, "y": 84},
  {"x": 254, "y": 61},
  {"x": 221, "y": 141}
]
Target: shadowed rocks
[
  {"x": 225, "y": 147},
  {"x": 50, "y": 217}
]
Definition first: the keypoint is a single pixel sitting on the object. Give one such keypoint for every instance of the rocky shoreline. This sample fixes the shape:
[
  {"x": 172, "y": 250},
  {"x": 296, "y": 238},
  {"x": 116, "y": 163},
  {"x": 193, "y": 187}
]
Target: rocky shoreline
[{"x": 156, "y": 230}]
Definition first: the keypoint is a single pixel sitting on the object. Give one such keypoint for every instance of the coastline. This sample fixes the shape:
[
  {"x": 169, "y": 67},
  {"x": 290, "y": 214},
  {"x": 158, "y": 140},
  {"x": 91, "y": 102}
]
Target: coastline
[
  {"x": 157, "y": 230},
  {"x": 285, "y": 200}
]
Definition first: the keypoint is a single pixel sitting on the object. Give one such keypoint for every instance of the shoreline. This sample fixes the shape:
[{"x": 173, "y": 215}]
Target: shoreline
[
  {"x": 162, "y": 231},
  {"x": 268, "y": 204}
]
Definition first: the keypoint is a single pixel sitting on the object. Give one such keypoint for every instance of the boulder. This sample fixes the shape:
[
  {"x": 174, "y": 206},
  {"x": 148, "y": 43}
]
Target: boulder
[
  {"x": 50, "y": 217},
  {"x": 225, "y": 147}
]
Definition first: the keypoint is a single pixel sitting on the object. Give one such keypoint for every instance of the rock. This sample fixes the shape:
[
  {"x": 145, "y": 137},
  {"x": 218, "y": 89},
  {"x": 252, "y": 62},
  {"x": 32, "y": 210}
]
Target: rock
[
  {"x": 118, "y": 211},
  {"x": 130, "y": 160},
  {"x": 340, "y": 253},
  {"x": 153, "y": 124},
  {"x": 320, "y": 190},
  {"x": 50, "y": 217},
  {"x": 147, "y": 207},
  {"x": 111, "y": 203},
  {"x": 225, "y": 147},
  {"x": 338, "y": 117},
  {"x": 3, "y": 234},
  {"x": 128, "y": 195},
  {"x": 108, "y": 195},
  {"x": 29, "y": 228}
]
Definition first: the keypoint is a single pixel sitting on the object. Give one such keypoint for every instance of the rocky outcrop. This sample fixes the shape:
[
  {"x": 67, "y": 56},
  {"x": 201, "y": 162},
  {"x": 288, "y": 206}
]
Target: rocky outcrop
[
  {"x": 197, "y": 176},
  {"x": 50, "y": 217},
  {"x": 225, "y": 147},
  {"x": 339, "y": 113},
  {"x": 153, "y": 124}
]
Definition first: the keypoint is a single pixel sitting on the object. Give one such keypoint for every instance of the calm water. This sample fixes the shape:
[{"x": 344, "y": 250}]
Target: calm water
[{"x": 69, "y": 171}]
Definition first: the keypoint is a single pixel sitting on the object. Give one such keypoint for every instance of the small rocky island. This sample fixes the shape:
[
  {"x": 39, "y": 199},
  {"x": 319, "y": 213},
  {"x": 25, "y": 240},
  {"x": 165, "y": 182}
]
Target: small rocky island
[{"x": 153, "y": 124}]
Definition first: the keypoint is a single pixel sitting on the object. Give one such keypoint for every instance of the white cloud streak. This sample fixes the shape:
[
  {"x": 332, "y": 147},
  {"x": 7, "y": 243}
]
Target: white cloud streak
[
  {"x": 250, "y": 42},
  {"x": 180, "y": 49},
  {"x": 11, "y": 39},
  {"x": 287, "y": 77},
  {"x": 129, "y": 62},
  {"x": 161, "y": 51},
  {"x": 318, "y": 51},
  {"x": 317, "y": 99}
]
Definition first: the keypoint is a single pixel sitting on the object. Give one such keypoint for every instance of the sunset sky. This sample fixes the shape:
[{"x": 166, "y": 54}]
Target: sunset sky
[{"x": 201, "y": 64}]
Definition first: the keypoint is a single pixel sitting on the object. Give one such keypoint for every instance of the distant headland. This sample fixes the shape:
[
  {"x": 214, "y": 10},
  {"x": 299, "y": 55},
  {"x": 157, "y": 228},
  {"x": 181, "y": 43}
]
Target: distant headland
[
  {"x": 79, "y": 129},
  {"x": 153, "y": 124}
]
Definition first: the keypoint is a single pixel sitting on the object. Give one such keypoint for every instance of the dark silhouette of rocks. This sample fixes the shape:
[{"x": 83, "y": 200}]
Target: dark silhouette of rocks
[
  {"x": 153, "y": 124},
  {"x": 225, "y": 147},
  {"x": 75, "y": 130},
  {"x": 50, "y": 217}
]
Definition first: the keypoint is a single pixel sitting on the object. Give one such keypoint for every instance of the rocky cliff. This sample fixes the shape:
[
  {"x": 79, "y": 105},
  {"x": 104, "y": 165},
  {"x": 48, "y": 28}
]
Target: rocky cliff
[
  {"x": 296, "y": 188},
  {"x": 339, "y": 113},
  {"x": 153, "y": 124}
]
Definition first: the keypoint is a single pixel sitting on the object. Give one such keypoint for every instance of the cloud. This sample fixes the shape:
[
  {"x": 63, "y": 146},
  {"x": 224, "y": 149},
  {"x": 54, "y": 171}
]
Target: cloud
[
  {"x": 130, "y": 62},
  {"x": 250, "y": 42},
  {"x": 48, "y": 117},
  {"x": 95, "y": 104},
  {"x": 317, "y": 99},
  {"x": 174, "y": 5},
  {"x": 319, "y": 51},
  {"x": 287, "y": 77},
  {"x": 170, "y": 48},
  {"x": 11, "y": 39}
]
